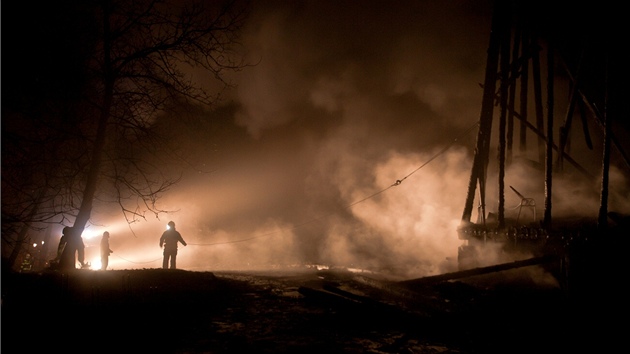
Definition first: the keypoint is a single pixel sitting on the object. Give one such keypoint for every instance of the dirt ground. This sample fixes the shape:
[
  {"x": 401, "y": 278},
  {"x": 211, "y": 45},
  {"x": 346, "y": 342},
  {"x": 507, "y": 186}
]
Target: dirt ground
[{"x": 293, "y": 310}]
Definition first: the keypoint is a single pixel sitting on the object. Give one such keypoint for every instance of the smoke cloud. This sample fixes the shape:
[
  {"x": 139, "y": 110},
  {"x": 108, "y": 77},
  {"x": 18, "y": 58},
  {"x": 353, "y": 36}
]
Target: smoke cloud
[{"x": 302, "y": 162}]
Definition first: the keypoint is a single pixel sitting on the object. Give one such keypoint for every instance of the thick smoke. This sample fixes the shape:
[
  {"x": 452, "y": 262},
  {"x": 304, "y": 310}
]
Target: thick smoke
[{"x": 346, "y": 99}]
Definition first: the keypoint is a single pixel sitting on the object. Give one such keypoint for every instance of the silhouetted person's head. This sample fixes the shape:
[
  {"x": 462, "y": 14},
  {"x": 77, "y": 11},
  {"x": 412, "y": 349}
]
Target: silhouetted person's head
[
  {"x": 171, "y": 225},
  {"x": 105, "y": 234}
]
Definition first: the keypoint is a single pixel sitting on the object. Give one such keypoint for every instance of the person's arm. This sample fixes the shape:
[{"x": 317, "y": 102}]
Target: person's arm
[
  {"x": 181, "y": 239},
  {"x": 161, "y": 240}
]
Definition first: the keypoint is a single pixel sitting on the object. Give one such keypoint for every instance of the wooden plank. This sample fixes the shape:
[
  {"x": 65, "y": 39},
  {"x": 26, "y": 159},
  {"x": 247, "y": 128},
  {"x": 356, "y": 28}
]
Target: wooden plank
[{"x": 477, "y": 271}]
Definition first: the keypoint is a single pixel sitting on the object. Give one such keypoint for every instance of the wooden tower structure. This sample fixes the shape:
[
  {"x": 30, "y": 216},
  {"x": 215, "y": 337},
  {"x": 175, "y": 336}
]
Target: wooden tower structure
[{"x": 532, "y": 47}]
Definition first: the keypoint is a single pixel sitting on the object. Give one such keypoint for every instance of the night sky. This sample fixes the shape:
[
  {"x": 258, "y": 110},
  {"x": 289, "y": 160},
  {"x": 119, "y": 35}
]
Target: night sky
[{"x": 298, "y": 162}]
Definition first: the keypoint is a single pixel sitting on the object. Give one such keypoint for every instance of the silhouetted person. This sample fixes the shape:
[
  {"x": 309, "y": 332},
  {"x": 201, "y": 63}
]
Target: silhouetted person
[
  {"x": 27, "y": 263},
  {"x": 105, "y": 250},
  {"x": 169, "y": 239},
  {"x": 70, "y": 247}
]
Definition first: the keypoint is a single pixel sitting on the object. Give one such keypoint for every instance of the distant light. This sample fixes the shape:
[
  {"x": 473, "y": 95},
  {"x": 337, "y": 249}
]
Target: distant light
[
  {"x": 96, "y": 263},
  {"x": 34, "y": 244},
  {"x": 88, "y": 235}
]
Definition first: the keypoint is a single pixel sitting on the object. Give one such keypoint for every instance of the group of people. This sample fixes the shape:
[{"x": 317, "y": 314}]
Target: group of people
[{"x": 71, "y": 248}]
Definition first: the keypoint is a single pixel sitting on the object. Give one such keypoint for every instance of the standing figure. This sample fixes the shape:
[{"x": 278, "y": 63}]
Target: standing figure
[
  {"x": 169, "y": 239},
  {"x": 71, "y": 247},
  {"x": 105, "y": 250}
]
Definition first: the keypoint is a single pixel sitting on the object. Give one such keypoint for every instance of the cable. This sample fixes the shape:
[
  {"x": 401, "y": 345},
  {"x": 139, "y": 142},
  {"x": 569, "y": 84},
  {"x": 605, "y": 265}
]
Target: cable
[
  {"x": 126, "y": 260},
  {"x": 400, "y": 181}
]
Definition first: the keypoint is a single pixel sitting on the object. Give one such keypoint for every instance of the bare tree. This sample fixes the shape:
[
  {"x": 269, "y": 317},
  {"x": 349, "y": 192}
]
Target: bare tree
[{"x": 104, "y": 143}]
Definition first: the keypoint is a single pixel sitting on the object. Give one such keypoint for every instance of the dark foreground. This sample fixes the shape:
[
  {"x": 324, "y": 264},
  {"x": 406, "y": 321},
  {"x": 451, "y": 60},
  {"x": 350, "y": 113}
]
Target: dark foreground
[{"x": 296, "y": 311}]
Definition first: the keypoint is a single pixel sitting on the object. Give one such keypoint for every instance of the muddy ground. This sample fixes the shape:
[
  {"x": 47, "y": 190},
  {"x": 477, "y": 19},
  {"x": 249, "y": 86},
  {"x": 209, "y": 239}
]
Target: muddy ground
[{"x": 294, "y": 310}]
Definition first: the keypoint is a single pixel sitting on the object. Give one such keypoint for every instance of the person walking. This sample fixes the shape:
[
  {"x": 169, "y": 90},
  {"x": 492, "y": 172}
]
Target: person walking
[
  {"x": 169, "y": 240},
  {"x": 105, "y": 250}
]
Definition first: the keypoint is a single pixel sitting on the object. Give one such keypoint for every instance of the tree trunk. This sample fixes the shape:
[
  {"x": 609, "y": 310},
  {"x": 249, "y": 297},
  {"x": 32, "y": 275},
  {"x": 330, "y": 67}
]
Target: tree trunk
[{"x": 91, "y": 184}]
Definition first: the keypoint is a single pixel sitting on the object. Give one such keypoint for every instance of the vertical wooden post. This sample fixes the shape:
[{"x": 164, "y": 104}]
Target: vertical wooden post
[
  {"x": 503, "y": 102},
  {"x": 602, "y": 219},
  {"x": 549, "y": 156},
  {"x": 500, "y": 21}
]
